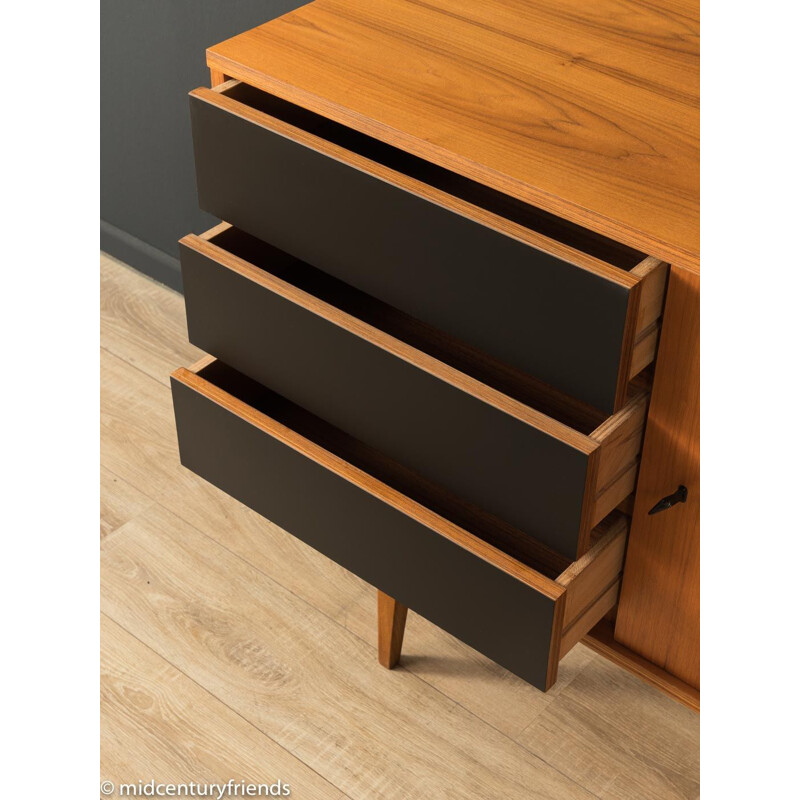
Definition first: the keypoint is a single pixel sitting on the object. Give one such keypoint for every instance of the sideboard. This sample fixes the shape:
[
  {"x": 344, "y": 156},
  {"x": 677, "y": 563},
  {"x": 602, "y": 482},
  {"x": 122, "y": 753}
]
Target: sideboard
[{"x": 453, "y": 315}]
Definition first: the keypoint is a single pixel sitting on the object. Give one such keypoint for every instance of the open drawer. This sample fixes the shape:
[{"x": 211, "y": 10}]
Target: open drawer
[
  {"x": 390, "y": 528},
  {"x": 553, "y": 300},
  {"x": 535, "y": 464}
]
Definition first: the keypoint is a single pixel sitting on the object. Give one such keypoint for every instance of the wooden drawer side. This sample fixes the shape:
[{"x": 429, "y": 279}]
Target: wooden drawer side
[{"x": 593, "y": 582}]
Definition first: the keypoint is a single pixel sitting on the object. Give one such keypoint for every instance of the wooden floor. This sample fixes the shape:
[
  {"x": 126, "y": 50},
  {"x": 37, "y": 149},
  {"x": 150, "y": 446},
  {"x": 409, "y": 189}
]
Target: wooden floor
[{"x": 231, "y": 650}]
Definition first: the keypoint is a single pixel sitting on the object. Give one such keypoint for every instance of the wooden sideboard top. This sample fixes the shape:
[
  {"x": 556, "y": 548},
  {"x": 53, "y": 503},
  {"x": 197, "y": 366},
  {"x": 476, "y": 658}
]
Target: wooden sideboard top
[{"x": 587, "y": 110}]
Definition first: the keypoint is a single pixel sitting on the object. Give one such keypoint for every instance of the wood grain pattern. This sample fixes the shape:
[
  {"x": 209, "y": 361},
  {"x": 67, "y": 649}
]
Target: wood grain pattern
[
  {"x": 591, "y": 575},
  {"x": 620, "y": 440},
  {"x": 509, "y": 703},
  {"x": 245, "y": 175},
  {"x": 288, "y": 670},
  {"x": 142, "y": 323},
  {"x": 620, "y": 437},
  {"x": 139, "y": 446},
  {"x": 590, "y": 112},
  {"x": 462, "y": 673},
  {"x": 217, "y": 77},
  {"x": 593, "y": 583},
  {"x": 616, "y": 492},
  {"x": 653, "y": 274},
  {"x": 225, "y": 246},
  {"x": 659, "y": 613},
  {"x": 628, "y": 346},
  {"x": 601, "y": 605},
  {"x": 391, "y": 627},
  {"x": 644, "y": 348},
  {"x": 620, "y": 737},
  {"x": 158, "y": 724},
  {"x": 119, "y": 502}
]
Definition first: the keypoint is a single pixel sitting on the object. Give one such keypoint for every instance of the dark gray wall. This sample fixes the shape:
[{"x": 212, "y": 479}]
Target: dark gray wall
[{"x": 152, "y": 53}]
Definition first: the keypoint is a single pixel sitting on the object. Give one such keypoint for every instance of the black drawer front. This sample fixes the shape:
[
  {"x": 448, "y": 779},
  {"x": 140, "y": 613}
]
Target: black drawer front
[
  {"x": 553, "y": 320},
  {"x": 505, "y": 618},
  {"x": 497, "y": 462}
]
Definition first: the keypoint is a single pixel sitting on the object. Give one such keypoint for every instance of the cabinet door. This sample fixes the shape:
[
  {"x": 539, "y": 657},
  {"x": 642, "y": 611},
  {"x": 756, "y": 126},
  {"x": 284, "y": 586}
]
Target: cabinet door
[{"x": 659, "y": 611}]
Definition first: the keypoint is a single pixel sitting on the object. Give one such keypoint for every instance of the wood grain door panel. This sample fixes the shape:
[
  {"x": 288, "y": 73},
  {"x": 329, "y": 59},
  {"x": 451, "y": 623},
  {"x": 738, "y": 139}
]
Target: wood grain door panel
[{"x": 659, "y": 612}]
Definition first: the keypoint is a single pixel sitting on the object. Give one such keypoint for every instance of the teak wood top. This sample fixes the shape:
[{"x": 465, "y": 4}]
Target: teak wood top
[{"x": 587, "y": 110}]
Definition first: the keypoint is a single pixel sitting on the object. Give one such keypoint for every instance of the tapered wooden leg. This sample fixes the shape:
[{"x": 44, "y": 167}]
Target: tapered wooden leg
[{"x": 391, "y": 627}]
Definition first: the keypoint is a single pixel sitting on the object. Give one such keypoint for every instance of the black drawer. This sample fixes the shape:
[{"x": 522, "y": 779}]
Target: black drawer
[
  {"x": 402, "y": 389},
  {"x": 334, "y": 494},
  {"x": 545, "y": 297}
]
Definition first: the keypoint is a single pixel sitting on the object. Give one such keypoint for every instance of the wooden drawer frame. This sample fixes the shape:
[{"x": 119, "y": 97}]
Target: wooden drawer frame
[
  {"x": 448, "y": 261},
  {"x": 507, "y": 609}
]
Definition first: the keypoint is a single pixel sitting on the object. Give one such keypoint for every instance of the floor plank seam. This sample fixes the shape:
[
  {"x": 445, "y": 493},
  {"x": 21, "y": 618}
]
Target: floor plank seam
[
  {"x": 104, "y": 539},
  {"x": 136, "y": 367},
  {"x": 220, "y": 700}
]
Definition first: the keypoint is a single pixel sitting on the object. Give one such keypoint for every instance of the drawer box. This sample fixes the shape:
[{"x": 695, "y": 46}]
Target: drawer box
[
  {"x": 553, "y": 300},
  {"x": 403, "y": 389},
  {"x": 345, "y": 501}
]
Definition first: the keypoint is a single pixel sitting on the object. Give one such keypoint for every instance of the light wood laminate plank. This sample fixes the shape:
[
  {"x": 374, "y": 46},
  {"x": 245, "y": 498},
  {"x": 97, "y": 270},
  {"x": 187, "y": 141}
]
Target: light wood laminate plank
[
  {"x": 142, "y": 322},
  {"x": 303, "y": 680},
  {"x": 619, "y": 737},
  {"x": 138, "y": 442},
  {"x": 474, "y": 681},
  {"x": 119, "y": 502},
  {"x": 158, "y": 724}
]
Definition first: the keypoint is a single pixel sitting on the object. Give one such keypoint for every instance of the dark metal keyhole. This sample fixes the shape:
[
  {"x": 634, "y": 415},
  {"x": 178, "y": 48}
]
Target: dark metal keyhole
[{"x": 678, "y": 496}]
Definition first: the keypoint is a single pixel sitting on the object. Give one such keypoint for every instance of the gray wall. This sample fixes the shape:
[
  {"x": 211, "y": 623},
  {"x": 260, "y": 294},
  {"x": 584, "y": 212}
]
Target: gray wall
[{"x": 152, "y": 52}]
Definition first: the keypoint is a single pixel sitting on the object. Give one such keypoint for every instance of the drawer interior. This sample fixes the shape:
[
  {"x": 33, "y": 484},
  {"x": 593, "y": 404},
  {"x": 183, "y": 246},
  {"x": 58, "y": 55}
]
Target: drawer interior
[
  {"x": 523, "y": 548},
  {"x": 508, "y": 599},
  {"x": 475, "y": 193}
]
